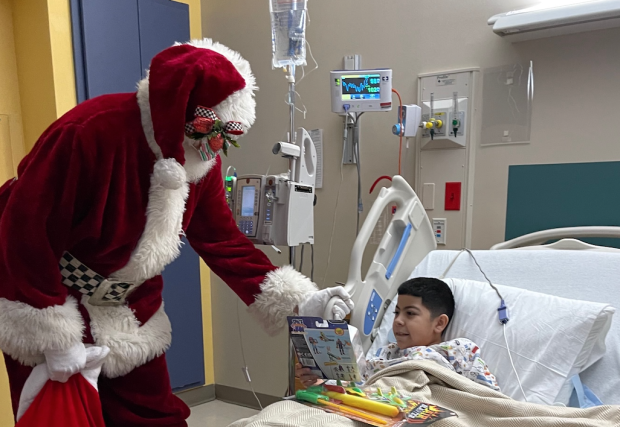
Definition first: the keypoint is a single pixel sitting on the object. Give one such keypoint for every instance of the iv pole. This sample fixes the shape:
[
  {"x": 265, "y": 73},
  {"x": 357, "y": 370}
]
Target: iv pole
[
  {"x": 291, "y": 167},
  {"x": 292, "y": 162}
]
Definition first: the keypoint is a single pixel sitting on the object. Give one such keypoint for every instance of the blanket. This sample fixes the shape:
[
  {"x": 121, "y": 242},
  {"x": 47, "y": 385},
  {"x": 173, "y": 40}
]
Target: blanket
[{"x": 426, "y": 381}]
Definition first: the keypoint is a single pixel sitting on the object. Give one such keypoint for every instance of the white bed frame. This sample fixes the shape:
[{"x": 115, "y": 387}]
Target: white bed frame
[{"x": 568, "y": 239}]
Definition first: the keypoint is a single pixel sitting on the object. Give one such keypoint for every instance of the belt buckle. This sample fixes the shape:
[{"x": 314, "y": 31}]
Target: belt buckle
[{"x": 97, "y": 298}]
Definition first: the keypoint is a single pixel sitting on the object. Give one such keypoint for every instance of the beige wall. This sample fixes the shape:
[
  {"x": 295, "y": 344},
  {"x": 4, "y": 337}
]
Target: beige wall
[{"x": 576, "y": 77}]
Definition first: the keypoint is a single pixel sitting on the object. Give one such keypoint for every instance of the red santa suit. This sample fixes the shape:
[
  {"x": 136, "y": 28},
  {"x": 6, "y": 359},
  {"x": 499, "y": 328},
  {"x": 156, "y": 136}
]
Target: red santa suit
[{"x": 114, "y": 183}]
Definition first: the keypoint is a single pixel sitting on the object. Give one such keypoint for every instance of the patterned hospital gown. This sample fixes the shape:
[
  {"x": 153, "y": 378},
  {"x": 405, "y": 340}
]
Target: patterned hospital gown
[{"x": 460, "y": 355}]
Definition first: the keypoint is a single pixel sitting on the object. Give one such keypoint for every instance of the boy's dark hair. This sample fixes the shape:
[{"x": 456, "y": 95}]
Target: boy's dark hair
[{"x": 435, "y": 294}]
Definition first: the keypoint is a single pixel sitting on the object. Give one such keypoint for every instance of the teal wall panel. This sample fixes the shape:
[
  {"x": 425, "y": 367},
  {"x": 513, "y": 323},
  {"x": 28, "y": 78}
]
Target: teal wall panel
[{"x": 563, "y": 195}]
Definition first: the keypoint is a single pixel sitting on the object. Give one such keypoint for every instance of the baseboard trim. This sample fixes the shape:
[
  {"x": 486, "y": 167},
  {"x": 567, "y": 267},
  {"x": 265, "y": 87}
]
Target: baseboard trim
[
  {"x": 243, "y": 397},
  {"x": 198, "y": 395}
]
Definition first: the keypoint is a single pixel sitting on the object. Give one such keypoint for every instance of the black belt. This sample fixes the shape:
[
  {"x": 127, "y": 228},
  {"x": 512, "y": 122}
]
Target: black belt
[{"x": 101, "y": 291}]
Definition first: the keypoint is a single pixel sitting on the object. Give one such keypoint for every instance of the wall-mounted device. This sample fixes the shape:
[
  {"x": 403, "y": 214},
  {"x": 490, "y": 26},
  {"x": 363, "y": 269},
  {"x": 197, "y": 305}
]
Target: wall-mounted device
[
  {"x": 359, "y": 91},
  {"x": 275, "y": 209},
  {"x": 445, "y": 109},
  {"x": 408, "y": 121}
]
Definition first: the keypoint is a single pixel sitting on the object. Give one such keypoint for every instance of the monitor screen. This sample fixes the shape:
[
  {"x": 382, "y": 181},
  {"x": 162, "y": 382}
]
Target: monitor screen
[
  {"x": 247, "y": 203},
  {"x": 361, "y": 86}
]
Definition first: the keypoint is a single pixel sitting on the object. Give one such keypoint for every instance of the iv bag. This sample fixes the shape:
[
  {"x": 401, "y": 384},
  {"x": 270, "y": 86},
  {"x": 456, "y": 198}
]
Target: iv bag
[{"x": 288, "y": 32}]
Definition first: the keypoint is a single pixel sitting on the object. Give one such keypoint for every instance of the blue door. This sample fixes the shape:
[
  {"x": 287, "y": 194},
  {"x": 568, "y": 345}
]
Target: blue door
[
  {"x": 114, "y": 42},
  {"x": 110, "y": 46},
  {"x": 162, "y": 23},
  {"x": 183, "y": 304}
]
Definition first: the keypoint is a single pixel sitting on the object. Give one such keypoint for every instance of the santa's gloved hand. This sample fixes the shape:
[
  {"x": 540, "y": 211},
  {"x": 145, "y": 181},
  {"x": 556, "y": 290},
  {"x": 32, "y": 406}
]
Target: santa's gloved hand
[
  {"x": 61, "y": 364},
  {"x": 315, "y": 303}
]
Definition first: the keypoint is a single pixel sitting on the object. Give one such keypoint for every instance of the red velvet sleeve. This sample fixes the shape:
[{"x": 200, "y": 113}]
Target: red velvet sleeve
[
  {"x": 213, "y": 233},
  {"x": 36, "y": 313},
  {"x": 35, "y": 225}
]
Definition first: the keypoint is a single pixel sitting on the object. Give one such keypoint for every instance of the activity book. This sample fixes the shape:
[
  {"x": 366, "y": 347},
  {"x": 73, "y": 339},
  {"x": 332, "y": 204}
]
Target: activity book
[{"x": 325, "y": 347}]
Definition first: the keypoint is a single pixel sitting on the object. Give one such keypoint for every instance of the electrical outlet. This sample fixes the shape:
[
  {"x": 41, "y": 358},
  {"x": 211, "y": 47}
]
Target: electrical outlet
[{"x": 439, "y": 228}]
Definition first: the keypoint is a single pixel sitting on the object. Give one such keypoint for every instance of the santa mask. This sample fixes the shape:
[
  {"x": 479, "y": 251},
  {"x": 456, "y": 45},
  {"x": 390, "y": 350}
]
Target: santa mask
[{"x": 211, "y": 134}]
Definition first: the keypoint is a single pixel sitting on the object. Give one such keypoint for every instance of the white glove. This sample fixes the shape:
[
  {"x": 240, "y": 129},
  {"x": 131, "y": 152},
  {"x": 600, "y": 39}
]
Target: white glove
[
  {"x": 40, "y": 375},
  {"x": 95, "y": 356},
  {"x": 61, "y": 364},
  {"x": 316, "y": 302}
]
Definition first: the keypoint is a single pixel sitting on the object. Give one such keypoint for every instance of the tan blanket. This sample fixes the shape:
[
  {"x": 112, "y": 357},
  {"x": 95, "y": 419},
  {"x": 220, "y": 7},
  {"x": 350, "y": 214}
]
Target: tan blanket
[{"x": 426, "y": 381}]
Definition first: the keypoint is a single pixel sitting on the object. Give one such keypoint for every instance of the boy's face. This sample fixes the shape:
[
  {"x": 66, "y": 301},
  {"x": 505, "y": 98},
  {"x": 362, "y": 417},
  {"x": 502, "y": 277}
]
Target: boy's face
[{"x": 413, "y": 324}]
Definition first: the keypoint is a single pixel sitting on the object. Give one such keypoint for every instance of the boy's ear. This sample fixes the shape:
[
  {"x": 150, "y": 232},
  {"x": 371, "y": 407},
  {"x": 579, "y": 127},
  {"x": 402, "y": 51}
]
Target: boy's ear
[{"x": 441, "y": 322}]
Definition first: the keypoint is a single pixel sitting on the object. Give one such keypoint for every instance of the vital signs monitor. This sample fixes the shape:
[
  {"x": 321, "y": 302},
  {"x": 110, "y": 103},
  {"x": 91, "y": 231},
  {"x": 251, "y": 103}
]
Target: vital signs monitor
[{"x": 358, "y": 91}]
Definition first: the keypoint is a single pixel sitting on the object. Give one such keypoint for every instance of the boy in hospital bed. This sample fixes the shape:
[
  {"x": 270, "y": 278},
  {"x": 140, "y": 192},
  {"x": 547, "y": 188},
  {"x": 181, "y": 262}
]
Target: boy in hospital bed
[{"x": 423, "y": 311}]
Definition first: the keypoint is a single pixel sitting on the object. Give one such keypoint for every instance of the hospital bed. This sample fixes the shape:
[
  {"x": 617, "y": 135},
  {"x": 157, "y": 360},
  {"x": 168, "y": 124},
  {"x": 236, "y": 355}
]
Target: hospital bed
[{"x": 567, "y": 268}]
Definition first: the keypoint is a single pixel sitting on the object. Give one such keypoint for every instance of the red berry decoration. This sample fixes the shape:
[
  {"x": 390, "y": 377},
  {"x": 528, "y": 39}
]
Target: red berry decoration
[
  {"x": 216, "y": 142},
  {"x": 203, "y": 124}
]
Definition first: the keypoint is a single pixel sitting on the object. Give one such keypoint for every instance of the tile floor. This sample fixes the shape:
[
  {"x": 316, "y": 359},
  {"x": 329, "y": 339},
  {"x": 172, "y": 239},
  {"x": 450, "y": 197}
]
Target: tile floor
[{"x": 218, "y": 414}]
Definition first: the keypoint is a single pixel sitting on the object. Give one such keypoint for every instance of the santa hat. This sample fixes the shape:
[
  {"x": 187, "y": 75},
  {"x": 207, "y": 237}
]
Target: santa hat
[{"x": 201, "y": 73}]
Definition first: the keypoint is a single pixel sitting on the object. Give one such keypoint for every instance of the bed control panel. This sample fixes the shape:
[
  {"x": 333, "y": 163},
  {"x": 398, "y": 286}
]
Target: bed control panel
[{"x": 372, "y": 312}]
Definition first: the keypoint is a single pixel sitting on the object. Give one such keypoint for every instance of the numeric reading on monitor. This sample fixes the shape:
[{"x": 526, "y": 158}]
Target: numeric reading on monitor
[{"x": 361, "y": 87}]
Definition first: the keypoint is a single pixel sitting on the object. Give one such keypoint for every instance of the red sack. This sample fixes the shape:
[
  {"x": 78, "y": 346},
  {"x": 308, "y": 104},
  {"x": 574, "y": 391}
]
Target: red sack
[
  {"x": 47, "y": 403},
  {"x": 71, "y": 404}
]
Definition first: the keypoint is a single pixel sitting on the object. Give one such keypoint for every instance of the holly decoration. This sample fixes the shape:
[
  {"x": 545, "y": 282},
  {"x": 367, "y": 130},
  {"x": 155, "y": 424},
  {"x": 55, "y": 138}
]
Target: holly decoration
[{"x": 217, "y": 139}]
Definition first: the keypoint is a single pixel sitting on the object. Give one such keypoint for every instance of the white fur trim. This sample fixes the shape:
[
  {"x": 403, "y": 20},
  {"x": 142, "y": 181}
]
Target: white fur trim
[
  {"x": 169, "y": 173},
  {"x": 282, "y": 291},
  {"x": 195, "y": 167},
  {"x": 241, "y": 105},
  {"x": 160, "y": 243},
  {"x": 131, "y": 344},
  {"x": 26, "y": 332},
  {"x": 145, "y": 114}
]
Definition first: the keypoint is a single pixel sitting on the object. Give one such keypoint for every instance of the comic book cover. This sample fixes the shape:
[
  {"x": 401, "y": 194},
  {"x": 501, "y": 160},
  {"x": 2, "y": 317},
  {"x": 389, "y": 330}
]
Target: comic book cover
[{"x": 325, "y": 347}]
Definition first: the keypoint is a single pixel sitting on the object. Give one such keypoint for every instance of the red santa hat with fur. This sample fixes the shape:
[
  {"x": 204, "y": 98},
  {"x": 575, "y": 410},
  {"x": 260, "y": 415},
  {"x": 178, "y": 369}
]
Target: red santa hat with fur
[{"x": 181, "y": 78}]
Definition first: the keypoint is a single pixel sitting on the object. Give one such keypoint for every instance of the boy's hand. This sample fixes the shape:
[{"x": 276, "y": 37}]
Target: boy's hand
[{"x": 305, "y": 375}]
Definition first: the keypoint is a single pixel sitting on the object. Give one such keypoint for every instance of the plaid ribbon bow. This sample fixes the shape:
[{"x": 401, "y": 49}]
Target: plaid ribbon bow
[{"x": 213, "y": 134}]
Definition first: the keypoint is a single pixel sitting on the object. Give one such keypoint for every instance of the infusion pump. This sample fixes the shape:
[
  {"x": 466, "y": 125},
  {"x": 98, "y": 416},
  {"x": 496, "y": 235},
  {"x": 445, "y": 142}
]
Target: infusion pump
[{"x": 275, "y": 209}]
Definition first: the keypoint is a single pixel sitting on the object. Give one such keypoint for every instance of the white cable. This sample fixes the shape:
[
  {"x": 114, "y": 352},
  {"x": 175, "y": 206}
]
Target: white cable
[
  {"x": 331, "y": 239},
  {"x": 513, "y": 365},
  {"x": 443, "y": 275},
  {"x": 500, "y": 297},
  {"x": 304, "y": 111},
  {"x": 245, "y": 365},
  {"x": 479, "y": 268},
  {"x": 316, "y": 64}
]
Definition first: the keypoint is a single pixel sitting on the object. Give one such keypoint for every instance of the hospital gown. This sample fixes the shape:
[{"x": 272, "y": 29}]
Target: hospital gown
[{"x": 460, "y": 355}]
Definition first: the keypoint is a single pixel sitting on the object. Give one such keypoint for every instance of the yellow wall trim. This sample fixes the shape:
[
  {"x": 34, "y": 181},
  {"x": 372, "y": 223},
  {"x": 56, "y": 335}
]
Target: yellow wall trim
[{"x": 61, "y": 46}]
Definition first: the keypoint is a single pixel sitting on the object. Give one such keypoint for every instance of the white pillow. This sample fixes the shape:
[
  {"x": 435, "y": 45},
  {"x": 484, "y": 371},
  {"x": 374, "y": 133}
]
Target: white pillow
[{"x": 550, "y": 338}]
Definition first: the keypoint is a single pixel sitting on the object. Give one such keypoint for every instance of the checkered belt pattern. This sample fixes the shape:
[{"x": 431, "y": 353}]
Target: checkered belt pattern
[{"x": 81, "y": 278}]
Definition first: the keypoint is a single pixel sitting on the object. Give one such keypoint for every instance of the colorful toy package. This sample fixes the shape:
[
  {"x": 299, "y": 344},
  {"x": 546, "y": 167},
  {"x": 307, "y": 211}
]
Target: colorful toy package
[
  {"x": 325, "y": 347},
  {"x": 372, "y": 405}
]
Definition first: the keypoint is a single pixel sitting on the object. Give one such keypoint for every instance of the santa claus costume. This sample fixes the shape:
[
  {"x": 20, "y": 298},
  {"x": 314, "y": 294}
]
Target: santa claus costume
[{"x": 96, "y": 213}]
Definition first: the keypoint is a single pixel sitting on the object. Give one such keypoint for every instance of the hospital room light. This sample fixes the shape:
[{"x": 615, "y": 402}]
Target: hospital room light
[{"x": 556, "y": 18}]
